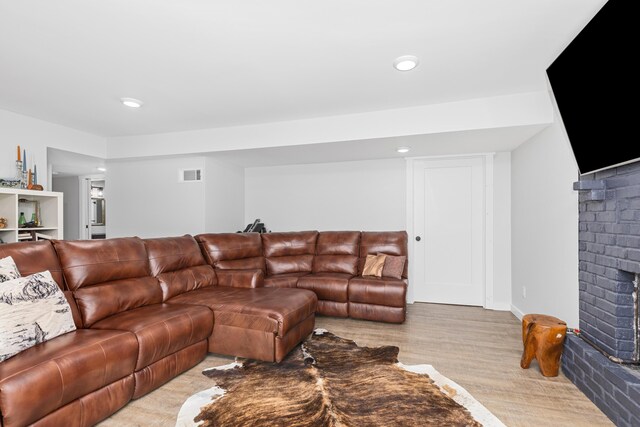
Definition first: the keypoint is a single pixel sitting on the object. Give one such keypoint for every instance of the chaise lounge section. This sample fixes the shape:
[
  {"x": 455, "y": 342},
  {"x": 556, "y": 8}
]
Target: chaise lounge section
[{"x": 250, "y": 321}]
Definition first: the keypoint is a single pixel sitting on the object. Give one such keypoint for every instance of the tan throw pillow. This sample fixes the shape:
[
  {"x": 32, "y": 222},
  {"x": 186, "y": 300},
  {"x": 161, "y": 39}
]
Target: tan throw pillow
[
  {"x": 373, "y": 265},
  {"x": 393, "y": 266}
]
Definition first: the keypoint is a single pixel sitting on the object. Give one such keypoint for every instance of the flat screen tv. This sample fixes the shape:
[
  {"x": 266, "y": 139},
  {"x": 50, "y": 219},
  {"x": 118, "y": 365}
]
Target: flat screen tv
[{"x": 595, "y": 83}]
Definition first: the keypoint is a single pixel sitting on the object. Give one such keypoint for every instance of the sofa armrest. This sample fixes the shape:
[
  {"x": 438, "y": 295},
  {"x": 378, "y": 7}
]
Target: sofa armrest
[{"x": 240, "y": 278}]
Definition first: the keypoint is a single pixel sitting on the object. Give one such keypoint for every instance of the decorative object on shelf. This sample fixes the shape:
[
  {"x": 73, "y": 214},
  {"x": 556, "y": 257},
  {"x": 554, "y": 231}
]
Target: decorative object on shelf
[
  {"x": 19, "y": 167},
  {"x": 36, "y": 220},
  {"x": 24, "y": 168},
  {"x": 3, "y": 222},
  {"x": 10, "y": 183},
  {"x": 25, "y": 178},
  {"x": 33, "y": 184}
]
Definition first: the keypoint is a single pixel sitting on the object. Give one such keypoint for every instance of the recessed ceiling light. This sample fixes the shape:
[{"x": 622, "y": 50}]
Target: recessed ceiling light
[
  {"x": 403, "y": 149},
  {"x": 102, "y": 169},
  {"x": 405, "y": 63},
  {"x": 131, "y": 102}
]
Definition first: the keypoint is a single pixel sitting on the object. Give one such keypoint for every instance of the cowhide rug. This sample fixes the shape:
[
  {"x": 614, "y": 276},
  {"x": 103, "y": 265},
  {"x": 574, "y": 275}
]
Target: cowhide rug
[{"x": 330, "y": 381}]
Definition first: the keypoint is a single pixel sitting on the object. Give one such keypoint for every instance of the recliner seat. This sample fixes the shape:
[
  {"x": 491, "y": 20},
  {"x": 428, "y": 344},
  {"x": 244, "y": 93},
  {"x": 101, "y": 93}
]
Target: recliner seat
[{"x": 114, "y": 290}]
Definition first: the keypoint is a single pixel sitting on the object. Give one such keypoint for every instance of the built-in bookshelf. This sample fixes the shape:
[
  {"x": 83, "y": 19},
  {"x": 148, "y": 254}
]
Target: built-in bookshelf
[{"x": 49, "y": 212}]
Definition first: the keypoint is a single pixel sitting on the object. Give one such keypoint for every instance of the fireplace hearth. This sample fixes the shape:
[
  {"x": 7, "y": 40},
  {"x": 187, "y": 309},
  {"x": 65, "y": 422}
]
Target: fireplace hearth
[{"x": 603, "y": 360}]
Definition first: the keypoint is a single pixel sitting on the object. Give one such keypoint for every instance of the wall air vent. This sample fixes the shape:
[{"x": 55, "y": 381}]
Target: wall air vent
[{"x": 190, "y": 175}]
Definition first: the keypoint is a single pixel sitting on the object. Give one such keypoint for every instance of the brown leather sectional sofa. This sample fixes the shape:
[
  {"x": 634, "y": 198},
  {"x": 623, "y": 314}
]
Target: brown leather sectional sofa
[
  {"x": 329, "y": 263},
  {"x": 148, "y": 310}
]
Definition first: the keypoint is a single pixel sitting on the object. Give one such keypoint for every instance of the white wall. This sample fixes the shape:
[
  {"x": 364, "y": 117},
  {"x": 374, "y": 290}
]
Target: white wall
[
  {"x": 364, "y": 195},
  {"x": 35, "y": 136},
  {"x": 545, "y": 227},
  {"x": 145, "y": 198},
  {"x": 70, "y": 186},
  {"x": 501, "y": 231},
  {"x": 224, "y": 195}
]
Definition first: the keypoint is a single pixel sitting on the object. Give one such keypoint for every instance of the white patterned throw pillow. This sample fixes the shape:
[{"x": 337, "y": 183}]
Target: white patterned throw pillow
[
  {"x": 33, "y": 310},
  {"x": 8, "y": 269}
]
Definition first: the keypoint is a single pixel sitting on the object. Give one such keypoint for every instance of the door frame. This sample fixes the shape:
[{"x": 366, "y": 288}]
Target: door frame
[{"x": 488, "y": 159}]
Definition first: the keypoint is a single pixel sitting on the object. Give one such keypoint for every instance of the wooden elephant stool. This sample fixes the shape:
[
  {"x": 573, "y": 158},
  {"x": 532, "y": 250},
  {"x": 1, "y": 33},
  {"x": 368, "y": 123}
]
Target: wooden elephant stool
[{"x": 543, "y": 338}]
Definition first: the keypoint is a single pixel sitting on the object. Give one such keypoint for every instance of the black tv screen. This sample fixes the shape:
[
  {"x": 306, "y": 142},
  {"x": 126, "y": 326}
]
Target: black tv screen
[{"x": 595, "y": 85}]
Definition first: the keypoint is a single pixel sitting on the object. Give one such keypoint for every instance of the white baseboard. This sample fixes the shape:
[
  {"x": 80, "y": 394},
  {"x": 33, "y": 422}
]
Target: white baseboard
[
  {"x": 517, "y": 312},
  {"x": 500, "y": 307}
]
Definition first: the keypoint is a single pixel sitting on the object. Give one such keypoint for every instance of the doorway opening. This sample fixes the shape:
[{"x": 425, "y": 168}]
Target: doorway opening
[{"x": 82, "y": 180}]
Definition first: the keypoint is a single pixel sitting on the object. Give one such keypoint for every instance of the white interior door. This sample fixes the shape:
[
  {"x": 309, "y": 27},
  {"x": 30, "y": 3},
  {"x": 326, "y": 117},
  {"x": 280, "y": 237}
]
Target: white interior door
[{"x": 449, "y": 211}]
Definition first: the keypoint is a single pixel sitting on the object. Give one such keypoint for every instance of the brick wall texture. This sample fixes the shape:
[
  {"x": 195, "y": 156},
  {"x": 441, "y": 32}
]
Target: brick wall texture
[
  {"x": 615, "y": 389},
  {"x": 609, "y": 254}
]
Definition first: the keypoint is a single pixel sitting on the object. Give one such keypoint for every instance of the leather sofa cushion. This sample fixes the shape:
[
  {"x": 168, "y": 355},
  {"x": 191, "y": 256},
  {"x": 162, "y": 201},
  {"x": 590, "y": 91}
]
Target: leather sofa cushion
[
  {"x": 232, "y": 250},
  {"x": 289, "y": 280},
  {"x": 384, "y": 242},
  {"x": 108, "y": 276},
  {"x": 100, "y": 301},
  {"x": 91, "y": 262},
  {"x": 177, "y": 282},
  {"x": 286, "y": 307},
  {"x": 327, "y": 286},
  {"x": 178, "y": 264},
  {"x": 241, "y": 278},
  {"x": 289, "y": 252},
  {"x": 289, "y": 264},
  {"x": 291, "y": 243},
  {"x": 379, "y": 291},
  {"x": 162, "y": 329},
  {"x": 52, "y": 374},
  {"x": 34, "y": 257},
  {"x": 77, "y": 317},
  {"x": 347, "y": 264},
  {"x": 256, "y": 263},
  {"x": 337, "y": 252},
  {"x": 338, "y": 243},
  {"x": 173, "y": 253}
]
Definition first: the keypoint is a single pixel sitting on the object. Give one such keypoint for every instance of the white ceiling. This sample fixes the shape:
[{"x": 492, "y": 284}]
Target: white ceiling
[{"x": 201, "y": 64}]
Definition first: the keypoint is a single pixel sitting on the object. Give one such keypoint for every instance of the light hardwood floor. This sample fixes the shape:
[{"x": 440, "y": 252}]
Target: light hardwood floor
[{"x": 479, "y": 349}]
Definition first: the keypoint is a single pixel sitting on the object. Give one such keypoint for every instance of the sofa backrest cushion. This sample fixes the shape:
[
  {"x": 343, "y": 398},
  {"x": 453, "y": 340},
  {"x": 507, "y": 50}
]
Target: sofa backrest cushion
[
  {"x": 337, "y": 252},
  {"x": 384, "y": 242},
  {"x": 34, "y": 257},
  {"x": 179, "y": 265},
  {"x": 290, "y": 252},
  {"x": 226, "y": 251},
  {"x": 107, "y": 276}
]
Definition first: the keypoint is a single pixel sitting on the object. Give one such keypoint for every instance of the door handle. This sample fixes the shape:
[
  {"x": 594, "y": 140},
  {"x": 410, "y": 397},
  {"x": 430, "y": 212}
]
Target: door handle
[{"x": 418, "y": 238}]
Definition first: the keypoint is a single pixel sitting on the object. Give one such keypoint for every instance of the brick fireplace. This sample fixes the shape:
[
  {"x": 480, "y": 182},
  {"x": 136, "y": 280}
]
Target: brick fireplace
[{"x": 603, "y": 360}]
